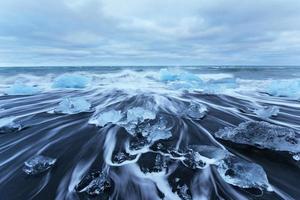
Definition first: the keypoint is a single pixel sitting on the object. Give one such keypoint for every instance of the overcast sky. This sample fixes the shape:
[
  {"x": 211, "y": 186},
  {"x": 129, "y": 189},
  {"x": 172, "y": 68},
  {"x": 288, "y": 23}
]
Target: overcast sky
[{"x": 148, "y": 32}]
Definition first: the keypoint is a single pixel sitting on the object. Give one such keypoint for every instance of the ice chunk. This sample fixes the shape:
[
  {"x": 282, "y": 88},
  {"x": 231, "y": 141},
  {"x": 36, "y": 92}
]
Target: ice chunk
[
  {"x": 175, "y": 75},
  {"x": 184, "y": 192},
  {"x": 267, "y": 111},
  {"x": 22, "y": 89},
  {"x": 296, "y": 156},
  {"x": 112, "y": 116},
  {"x": 166, "y": 75},
  {"x": 195, "y": 111},
  {"x": 262, "y": 135},
  {"x": 8, "y": 125},
  {"x": 121, "y": 157},
  {"x": 94, "y": 184},
  {"x": 73, "y": 106},
  {"x": 157, "y": 131},
  {"x": 139, "y": 114},
  {"x": 71, "y": 81},
  {"x": 244, "y": 174},
  {"x": 147, "y": 134},
  {"x": 199, "y": 156},
  {"x": 288, "y": 88},
  {"x": 38, "y": 164},
  {"x": 135, "y": 116}
]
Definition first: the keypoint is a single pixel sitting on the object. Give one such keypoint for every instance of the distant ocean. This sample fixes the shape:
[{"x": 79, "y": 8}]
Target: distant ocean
[{"x": 162, "y": 132}]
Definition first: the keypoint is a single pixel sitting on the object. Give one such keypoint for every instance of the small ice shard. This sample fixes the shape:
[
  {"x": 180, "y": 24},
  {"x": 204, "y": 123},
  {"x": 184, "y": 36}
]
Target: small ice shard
[
  {"x": 8, "y": 125},
  {"x": 22, "y": 89},
  {"x": 121, "y": 157},
  {"x": 112, "y": 116},
  {"x": 262, "y": 135},
  {"x": 296, "y": 157},
  {"x": 267, "y": 111},
  {"x": 38, "y": 164},
  {"x": 71, "y": 81},
  {"x": 94, "y": 184},
  {"x": 243, "y": 174},
  {"x": 184, "y": 192},
  {"x": 73, "y": 106},
  {"x": 195, "y": 111}
]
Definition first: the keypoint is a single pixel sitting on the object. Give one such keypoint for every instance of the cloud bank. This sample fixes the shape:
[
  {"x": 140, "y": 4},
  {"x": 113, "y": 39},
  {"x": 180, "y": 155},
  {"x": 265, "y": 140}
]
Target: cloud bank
[{"x": 147, "y": 32}]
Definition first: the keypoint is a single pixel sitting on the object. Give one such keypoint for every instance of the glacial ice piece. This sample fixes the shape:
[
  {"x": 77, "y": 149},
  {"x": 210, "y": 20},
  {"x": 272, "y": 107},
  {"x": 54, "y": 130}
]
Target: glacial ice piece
[
  {"x": 8, "y": 125},
  {"x": 296, "y": 156},
  {"x": 176, "y": 75},
  {"x": 287, "y": 88},
  {"x": 71, "y": 81},
  {"x": 139, "y": 114},
  {"x": 267, "y": 111},
  {"x": 184, "y": 192},
  {"x": 121, "y": 157},
  {"x": 195, "y": 111},
  {"x": 22, "y": 89},
  {"x": 199, "y": 156},
  {"x": 157, "y": 131},
  {"x": 147, "y": 134},
  {"x": 136, "y": 116},
  {"x": 112, "y": 116},
  {"x": 73, "y": 106},
  {"x": 262, "y": 135},
  {"x": 243, "y": 174},
  {"x": 38, "y": 164},
  {"x": 94, "y": 184}
]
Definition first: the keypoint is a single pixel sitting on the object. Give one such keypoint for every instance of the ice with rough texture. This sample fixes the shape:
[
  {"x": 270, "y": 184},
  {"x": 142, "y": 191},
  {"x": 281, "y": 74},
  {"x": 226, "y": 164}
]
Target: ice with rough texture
[
  {"x": 184, "y": 192},
  {"x": 195, "y": 111},
  {"x": 267, "y": 111},
  {"x": 296, "y": 156},
  {"x": 288, "y": 88},
  {"x": 73, "y": 106},
  {"x": 262, "y": 135},
  {"x": 94, "y": 184},
  {"x": 121, "y": 157},
  {"x": 112, "y": 116},
  {"x": 8, "y": 125},
  {"x": 71, "y": 81},
  {"x": 38, "y": 164},
  {"x": 243, "y": 174},
  {"x": 199, "y": 156},
  {"x": 135, "y": 116},
  {"x": 22, "y": 89}
]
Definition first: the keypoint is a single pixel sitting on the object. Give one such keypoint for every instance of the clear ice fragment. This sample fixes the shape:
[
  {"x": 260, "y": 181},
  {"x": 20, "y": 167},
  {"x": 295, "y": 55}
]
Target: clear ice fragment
[
  {"x": 195, "y": 111},
  {"x": 38, "y": 164},
  {"x": 73, "y": 106},
  {"x": 262, "y": 135},
  {"x": 267, "y": 111},
  {"x": 243, "y": 174},
  {"x": 8, "y": 125},
  {"x": 112, "y": 116}
]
